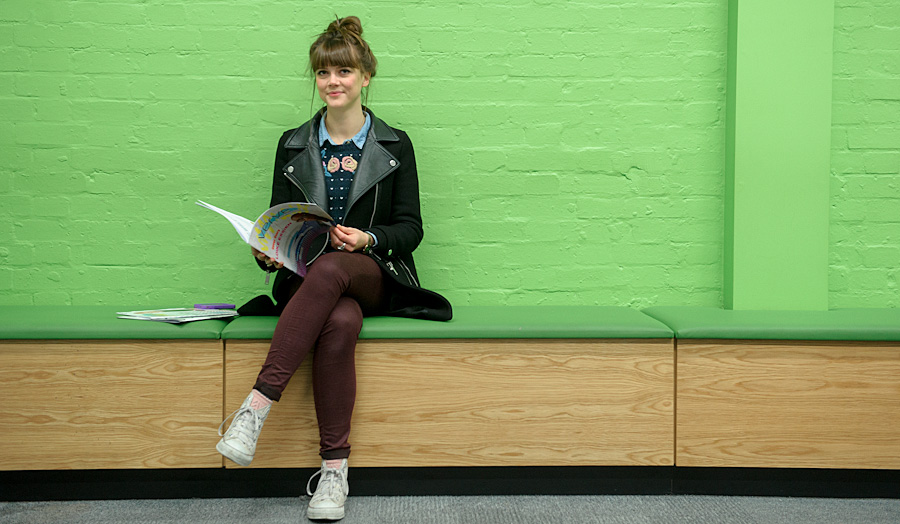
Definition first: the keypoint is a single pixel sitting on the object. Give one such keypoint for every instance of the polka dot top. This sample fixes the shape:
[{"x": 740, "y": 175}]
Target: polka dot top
[{"x": 340, "y": 163}]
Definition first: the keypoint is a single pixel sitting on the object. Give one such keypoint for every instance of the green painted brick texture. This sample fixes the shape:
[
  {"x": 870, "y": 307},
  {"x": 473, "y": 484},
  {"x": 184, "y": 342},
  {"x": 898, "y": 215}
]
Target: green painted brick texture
[
  {"x": 568, "y": 152},
  {"x": 864, "y": 256}
]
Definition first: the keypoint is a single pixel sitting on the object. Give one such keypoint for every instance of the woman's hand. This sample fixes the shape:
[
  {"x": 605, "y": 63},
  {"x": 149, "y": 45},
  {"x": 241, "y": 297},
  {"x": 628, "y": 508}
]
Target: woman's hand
[
  {"x": 263, "y": 258},
  {"x": 349, "y": 239}
]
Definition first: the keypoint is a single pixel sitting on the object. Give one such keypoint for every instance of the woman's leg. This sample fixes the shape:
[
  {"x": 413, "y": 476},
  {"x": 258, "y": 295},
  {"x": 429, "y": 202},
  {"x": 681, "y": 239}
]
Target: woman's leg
[
  {"x": 327, "y": 309},
  {"x": 334, "y": 378},
  {"x": 332, "y": 276},
  {"x": 334, "y": 391}
]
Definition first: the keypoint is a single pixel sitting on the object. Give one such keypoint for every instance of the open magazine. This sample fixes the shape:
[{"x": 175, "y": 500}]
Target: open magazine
[{"x": 285, "y": 233}]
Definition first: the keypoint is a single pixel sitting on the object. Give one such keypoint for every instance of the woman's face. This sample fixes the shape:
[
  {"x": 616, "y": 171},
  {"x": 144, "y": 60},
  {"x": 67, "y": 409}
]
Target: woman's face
[{"x": 340, "y": 86}]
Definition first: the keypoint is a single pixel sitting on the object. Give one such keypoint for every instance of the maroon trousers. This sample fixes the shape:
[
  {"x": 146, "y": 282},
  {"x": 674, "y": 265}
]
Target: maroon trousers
[{"x": 325, "y": 315}]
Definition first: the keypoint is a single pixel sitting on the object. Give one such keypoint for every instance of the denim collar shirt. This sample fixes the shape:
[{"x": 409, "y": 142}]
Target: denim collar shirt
[{"x": 359, "y": 138}]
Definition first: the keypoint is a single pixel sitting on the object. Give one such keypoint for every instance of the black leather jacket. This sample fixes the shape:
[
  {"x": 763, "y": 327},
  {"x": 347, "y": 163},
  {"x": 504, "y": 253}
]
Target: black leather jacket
[{"x": 384, "y": 199}]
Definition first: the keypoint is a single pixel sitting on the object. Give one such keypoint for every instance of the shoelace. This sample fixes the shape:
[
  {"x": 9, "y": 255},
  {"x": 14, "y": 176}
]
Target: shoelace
[
  {"x": 244, "y": 433},
  {"x": 332, "y": 481}
]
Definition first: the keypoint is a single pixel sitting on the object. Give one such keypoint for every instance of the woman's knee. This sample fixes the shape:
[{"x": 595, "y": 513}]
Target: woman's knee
[
  {"x": 337, "y": 342},
  {"x": 328, "y": 266},
  {"x": 334, "y": 261},
  {"x": 346, "y": 317}
]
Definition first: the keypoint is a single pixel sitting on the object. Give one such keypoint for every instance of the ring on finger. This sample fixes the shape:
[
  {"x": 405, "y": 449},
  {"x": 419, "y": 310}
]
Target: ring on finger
[{"x": 342, "y": 246}]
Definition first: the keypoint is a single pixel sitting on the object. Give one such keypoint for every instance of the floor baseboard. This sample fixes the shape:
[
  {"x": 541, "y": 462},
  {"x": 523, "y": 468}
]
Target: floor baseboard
[{"x": 650, "y": 480}]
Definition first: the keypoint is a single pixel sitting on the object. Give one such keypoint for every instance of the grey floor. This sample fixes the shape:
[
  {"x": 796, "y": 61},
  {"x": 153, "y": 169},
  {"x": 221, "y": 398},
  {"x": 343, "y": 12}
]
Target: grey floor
[{"x": 630, "y": 509}]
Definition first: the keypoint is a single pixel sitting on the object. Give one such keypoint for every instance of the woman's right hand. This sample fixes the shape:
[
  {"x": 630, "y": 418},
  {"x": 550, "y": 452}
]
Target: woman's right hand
[{"x": 263, "y": 258}]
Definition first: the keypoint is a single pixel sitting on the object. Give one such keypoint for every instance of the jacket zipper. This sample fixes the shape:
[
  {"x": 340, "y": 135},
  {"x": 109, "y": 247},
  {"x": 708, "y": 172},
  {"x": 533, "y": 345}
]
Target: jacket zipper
[
  {"x": 393, "y": 269},
  {"x": 375, "y": 206},
  {"x": 409, "y": 275},
  {"x": 388, "y": 263}
]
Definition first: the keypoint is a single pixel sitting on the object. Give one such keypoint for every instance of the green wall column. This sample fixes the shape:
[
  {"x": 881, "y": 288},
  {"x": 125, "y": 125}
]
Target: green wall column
[{"x": 778, "y": 142}]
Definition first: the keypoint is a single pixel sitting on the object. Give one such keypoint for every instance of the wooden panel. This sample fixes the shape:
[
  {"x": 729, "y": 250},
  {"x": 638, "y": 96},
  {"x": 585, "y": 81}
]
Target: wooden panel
[
  {"x": 75, "y": 404},
  {"x": 788, "y": 404},
  {"x": 481, "y": 403}
]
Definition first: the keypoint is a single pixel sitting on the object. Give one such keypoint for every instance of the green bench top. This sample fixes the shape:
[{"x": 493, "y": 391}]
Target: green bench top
[
  {"x": 491, "y": 322},
  {"x": 94, "y": 322},
  {"x": 471, "y": 322},
  {"x": 875, "y": 324}
]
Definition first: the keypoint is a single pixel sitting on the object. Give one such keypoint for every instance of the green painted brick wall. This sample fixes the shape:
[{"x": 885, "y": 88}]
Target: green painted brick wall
[
  {"x": 569, "y": 152},
  {"x": 865, "y": 186}
]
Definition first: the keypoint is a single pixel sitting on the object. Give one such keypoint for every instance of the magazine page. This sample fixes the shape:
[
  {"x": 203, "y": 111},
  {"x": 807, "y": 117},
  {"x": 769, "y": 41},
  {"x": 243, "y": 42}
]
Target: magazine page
[
  {"x": 286, "y": 232},
  {"x": 241, "y": 224}
]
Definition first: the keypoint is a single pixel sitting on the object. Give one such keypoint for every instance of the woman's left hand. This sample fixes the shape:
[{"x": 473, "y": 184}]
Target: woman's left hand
[{"x": 349, "y": 239}]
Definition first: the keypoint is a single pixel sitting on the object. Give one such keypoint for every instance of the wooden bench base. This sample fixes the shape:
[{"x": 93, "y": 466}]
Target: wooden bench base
[
  {"x": 110, "y": 404},
  {"x": 788, "y": 404},
  {"x": 481, "y": 403},
  {"x": 139, "y": 404}
]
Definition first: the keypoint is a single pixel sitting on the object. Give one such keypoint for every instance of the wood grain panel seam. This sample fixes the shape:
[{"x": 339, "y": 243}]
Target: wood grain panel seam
[
  {"x": 224, "y": 390},
  {"x": 675, "y": 401}
]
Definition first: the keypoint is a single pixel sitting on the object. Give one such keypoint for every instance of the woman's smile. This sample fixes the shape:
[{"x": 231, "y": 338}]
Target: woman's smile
[{"x": 340, "y": 86}]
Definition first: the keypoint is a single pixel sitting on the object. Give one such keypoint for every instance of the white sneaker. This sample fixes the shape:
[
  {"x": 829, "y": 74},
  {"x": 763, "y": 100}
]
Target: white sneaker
[
  {"x": 239, "y": 442},
  {"x": 328, "y": 501}
]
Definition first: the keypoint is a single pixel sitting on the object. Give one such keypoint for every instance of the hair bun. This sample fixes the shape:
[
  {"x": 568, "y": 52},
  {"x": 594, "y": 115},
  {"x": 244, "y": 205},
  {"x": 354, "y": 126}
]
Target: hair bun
[
  {"x": 342, "y": 44},
  {"x": 347, "y": 25}
]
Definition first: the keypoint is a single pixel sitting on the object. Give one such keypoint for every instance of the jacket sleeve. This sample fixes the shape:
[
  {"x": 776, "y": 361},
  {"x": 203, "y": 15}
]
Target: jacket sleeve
[
  {"x": 403, "y": 231},
  {"x": 281, "y": 187},
  {"x": 281, "y": 191}
]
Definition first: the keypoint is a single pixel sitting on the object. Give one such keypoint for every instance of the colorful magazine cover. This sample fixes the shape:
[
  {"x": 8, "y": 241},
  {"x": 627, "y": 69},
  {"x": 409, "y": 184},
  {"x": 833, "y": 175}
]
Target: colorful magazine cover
[{"x": 285, "y": 233}]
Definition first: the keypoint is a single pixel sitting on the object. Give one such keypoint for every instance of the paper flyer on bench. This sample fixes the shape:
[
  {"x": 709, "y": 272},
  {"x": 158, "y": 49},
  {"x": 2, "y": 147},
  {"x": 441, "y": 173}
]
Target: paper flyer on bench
[{"x": 285, "y": 232}]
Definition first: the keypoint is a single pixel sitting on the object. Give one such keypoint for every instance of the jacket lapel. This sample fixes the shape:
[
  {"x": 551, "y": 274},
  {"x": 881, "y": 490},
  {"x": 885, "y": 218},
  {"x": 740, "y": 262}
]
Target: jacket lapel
[
  {"x": 305, "y": 169},
  {"x": 376, "y": 162}
]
